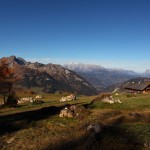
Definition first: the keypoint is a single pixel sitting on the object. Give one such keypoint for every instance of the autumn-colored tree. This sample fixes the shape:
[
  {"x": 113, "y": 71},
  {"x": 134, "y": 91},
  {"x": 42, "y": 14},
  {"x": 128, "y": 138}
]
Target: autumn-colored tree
[
  {"x": 6, "y": 79},
  {"x": 5, "y": 71}
]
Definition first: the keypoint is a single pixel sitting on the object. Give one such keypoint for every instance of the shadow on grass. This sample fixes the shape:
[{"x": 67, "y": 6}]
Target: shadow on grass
[
  {"x": 15, "y": 122},
  {"x": 112, "y": 138},
  {"x": 18, "y": 121},
  {"x": 116, "y": 138}
]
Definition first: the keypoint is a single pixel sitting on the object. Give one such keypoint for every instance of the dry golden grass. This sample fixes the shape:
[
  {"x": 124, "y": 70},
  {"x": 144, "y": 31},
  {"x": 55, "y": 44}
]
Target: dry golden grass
[{"x": 125, "y": 126}]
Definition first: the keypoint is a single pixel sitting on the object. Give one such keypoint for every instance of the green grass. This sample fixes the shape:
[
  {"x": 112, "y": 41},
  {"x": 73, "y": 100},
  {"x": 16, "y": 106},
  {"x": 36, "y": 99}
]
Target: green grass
[
  {"x": 124, "y": 131},
  {"x": 132, "y": 102},
  {"x": 140, "y": 131},
  {"x": 49, "y": 100},
  {"x": 126, "y": 136}
]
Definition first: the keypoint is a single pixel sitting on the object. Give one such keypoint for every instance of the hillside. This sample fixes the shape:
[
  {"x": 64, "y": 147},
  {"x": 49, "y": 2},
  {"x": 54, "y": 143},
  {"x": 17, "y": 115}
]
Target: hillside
[
  {"x": 48, "y": 77},
  {"x": 121, "y": 86},
  {"x": 100, "y": 77}
]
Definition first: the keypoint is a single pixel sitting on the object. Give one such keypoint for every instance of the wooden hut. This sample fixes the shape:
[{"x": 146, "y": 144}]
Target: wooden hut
[{"x": 138, "y": 87}]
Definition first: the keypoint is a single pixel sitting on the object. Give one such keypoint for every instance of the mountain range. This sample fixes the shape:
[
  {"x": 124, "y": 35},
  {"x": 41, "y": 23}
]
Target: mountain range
[
  {"x": 103, "y": 78},
  {"x": 79, "y": 78},
  {"x": 48, "y": 77}
]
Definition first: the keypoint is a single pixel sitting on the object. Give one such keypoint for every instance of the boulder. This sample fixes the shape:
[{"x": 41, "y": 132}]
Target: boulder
[
  {"x": 9, "y": 141},
  {"x": 25, "y": 100},
  {"x": 66, "y": 113},
  {"x": 111, "y": 100},
  {"x": 117, "y": 101},
  {"x": 102, "y": 96},
  {"x": 147, "y": 145},
  {"x": 74, "y": 111},
  {"x": 2, "y": 103},
  {"x": 95, "y": 128},
  {"x": 108, "y": 100},
  {"x": 39, "y": 97},
  {"x": 68, "y": 98}
]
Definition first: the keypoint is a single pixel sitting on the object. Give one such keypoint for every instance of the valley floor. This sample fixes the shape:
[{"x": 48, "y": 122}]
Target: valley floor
[{"x": 39, "y": 127}]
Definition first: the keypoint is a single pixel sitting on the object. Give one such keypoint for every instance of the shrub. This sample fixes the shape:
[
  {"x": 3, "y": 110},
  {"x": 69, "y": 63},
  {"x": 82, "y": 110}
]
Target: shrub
[{"x": 12, "y": 99}]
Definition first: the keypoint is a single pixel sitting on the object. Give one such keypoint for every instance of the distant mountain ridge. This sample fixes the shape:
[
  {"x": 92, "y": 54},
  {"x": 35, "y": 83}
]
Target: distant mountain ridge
[
  {"x": 102, "y": 77},
  {"x": 90, "y": 67},
  {"x": 147, "y": 73},
  {"x": 49, "y": 77},
  {"x": 78, "y": 78},
  {"x": 83, "y": 67}
]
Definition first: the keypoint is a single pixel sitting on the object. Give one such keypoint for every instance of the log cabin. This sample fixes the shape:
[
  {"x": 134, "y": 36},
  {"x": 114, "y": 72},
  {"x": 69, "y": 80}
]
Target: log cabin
[{"x": 143, "y": 87}]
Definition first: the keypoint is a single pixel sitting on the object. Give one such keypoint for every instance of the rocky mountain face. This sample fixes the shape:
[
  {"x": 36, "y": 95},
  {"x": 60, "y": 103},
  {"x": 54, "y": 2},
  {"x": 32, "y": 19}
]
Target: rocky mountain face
[
  {"x": 100, "y": 77},
  {"x": 49, "y": 78}
]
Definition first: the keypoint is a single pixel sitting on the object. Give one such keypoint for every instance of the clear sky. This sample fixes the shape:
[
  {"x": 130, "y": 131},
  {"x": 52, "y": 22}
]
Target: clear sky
[{"x": 111, "y": 33}]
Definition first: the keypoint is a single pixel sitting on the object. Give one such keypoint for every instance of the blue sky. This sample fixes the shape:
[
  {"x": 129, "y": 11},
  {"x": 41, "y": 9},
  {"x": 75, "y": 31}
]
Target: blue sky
[{"x": 111, "y": 33}]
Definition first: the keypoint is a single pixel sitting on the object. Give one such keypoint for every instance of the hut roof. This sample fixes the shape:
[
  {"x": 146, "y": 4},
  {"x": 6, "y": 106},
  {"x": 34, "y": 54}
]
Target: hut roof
[{"x": 137, "y": 86}]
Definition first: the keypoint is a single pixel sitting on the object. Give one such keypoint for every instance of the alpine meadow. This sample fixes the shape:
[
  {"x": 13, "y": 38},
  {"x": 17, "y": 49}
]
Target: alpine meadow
[{"x": 74, "y": 74}]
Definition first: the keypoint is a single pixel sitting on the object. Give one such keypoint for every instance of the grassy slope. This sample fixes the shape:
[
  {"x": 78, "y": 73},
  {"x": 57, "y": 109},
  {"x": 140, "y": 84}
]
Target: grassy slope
[
  {"x": 130, "y": 121},
  {"x": 49, "y": 100},
  {"x": 129, "y": 102},
  {"x": 127, "y": 131}
]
